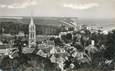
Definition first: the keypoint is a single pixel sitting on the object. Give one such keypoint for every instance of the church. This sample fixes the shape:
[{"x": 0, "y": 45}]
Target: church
[{"x": 32, "y": 33}]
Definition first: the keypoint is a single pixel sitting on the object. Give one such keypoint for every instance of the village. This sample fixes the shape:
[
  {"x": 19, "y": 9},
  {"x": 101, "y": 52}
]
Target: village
[{"x": 73, "y": 48}]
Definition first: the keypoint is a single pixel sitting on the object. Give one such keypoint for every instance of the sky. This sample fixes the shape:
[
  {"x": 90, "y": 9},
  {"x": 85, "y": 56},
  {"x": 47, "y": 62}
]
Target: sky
[{"x": 84, "y": 9}]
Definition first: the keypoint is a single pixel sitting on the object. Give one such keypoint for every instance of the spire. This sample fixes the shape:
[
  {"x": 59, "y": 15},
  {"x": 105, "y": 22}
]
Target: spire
[
  {"x": 32, "y": 33},
  {"x": 31, "y": 20}
]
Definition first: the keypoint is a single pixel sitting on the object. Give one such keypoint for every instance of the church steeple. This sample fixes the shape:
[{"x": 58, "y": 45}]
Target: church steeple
[
  {"x": 31, "y": 21},
  {"x": 32, "y": 33}
]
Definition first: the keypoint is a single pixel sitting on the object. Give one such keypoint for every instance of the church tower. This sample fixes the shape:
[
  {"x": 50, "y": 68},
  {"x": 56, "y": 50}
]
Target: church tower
[{"x": 32, "y": 33}]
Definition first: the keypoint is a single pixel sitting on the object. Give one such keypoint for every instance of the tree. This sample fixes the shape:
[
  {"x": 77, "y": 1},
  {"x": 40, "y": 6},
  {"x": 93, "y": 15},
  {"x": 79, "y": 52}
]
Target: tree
[{"x": 110, "y": 46}]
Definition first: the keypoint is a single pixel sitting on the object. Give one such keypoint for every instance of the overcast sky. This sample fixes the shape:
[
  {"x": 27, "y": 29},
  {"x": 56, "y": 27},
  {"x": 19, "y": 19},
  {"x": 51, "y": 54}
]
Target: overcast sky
[{"x": 97, "y": 9}]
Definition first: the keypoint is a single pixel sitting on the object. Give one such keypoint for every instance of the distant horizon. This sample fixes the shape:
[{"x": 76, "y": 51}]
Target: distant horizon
[
  {"x": 58, "y": 17},
  {"x": 107, "y": 24}
]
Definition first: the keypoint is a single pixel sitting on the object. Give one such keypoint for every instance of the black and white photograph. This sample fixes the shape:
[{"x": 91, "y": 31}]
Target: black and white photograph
[{"x": 57, "y": 35}]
